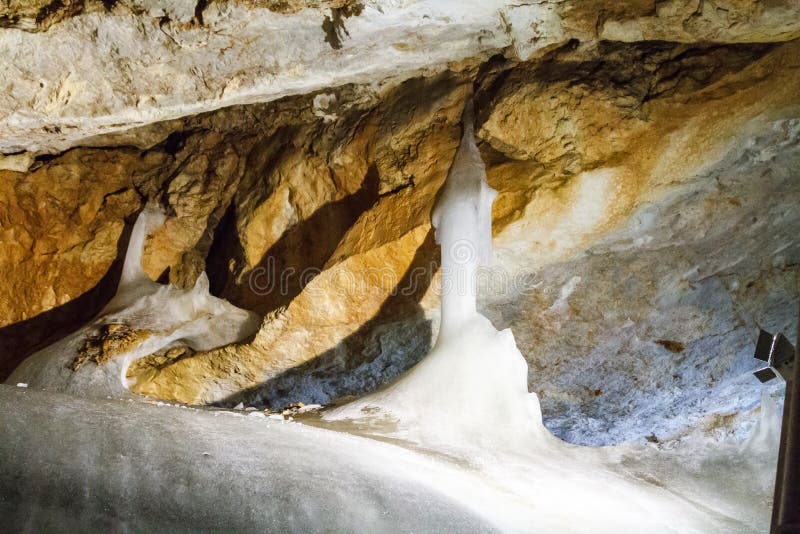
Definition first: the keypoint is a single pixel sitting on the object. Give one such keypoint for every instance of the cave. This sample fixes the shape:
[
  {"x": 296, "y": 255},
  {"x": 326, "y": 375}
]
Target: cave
[{"x": 423, "y": 266}]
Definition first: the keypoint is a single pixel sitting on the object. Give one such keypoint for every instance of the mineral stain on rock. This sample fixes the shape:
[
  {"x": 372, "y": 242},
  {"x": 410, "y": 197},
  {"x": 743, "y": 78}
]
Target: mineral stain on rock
[
  {"x": 112, "y": 340},
  {"x": 673, "y": 346},
  {"x": 333, "y": 25}
]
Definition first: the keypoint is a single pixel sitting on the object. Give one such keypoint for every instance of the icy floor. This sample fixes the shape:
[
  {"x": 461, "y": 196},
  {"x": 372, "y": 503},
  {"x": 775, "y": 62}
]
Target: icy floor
[
  {"x": 74, "y": 464},
  {"x": 78, "y": 464}
]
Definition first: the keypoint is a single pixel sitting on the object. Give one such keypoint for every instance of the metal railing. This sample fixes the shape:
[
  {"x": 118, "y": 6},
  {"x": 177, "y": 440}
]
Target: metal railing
[{"x": 782, "y": 361}]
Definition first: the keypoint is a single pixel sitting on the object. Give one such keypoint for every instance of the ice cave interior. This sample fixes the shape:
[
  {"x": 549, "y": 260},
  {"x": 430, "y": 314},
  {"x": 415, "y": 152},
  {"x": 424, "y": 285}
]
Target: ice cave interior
[{"x": 378, "y": 266}]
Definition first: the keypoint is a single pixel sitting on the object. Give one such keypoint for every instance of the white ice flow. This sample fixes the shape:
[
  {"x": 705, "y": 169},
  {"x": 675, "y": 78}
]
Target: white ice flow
[
  {"x": 173, "y": 316},
  {"x": 468, "y": 399}
]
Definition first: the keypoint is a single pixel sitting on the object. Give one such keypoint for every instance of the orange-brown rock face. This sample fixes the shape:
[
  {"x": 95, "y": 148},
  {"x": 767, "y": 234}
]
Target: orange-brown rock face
[
  {"x": 63, "y": 228},
  {"x": 349, "y": 228},
  {"x": 643, "y": 157},
  {"x": 577, "y": 146}
]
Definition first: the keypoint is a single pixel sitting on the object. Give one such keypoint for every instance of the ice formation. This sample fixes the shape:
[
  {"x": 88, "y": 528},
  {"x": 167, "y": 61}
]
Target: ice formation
[
  {"x": 169, "y": 315},
  {"x": 468, "y": 399},
  {"x": 472, "y": 387}
]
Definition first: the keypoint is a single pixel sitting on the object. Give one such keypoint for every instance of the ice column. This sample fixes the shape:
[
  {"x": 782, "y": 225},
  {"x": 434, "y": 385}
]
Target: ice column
[{"x": 462, "y": 217}]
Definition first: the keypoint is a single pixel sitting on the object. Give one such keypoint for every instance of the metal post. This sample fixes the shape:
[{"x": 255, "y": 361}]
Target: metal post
[{"x": 786, "y": 505}]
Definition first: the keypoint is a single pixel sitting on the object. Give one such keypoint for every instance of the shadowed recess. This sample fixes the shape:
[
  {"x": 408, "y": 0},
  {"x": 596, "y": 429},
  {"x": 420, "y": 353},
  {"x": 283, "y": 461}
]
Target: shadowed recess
[
  {"x": 361, "y": 362},
  {"x": 303, "y": 248}
]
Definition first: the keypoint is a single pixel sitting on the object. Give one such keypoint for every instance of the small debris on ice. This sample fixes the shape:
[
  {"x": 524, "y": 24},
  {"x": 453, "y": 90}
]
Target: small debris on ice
[{"x": 298, "y": 408}]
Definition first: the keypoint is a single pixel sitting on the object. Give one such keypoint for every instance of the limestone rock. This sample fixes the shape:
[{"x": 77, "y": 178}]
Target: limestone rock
[
  {"x": 685, "y": 21},
  {"x": 142, "y": 63},
  {"x": 644, "y": 156},
  {"x": 580, "y": 192},
  {"x": 61, "y": 225}
]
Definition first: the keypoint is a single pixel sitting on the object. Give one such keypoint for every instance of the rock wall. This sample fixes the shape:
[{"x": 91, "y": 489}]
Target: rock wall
[{"x": 645, "y": 157}]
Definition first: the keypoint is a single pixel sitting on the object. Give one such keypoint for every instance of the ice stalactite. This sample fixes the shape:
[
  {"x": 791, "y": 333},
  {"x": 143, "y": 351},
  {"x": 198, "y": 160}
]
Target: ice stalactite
[
  {"x": 462, "y": 218},
  {"x": 143, "y": 318}
]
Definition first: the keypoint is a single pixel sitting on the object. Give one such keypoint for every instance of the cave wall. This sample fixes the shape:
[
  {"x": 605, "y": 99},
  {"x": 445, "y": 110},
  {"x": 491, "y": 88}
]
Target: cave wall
[{"x": 645, "y": 158}]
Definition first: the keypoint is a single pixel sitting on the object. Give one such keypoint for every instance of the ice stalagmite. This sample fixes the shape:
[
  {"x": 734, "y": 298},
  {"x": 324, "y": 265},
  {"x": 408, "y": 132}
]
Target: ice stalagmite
[{"x": 472, "y": 387}]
